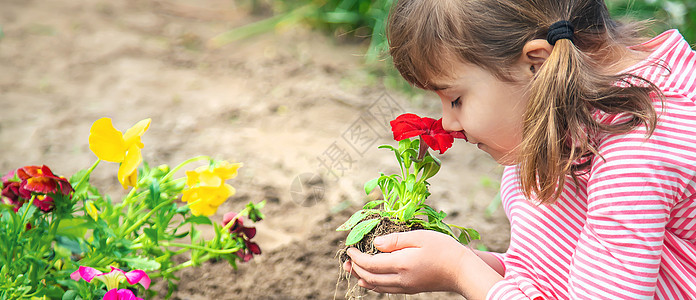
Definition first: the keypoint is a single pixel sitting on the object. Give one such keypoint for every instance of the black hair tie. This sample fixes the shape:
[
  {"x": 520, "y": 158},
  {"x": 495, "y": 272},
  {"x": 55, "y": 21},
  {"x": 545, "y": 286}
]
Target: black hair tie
[{"x": 560, "y": 30}]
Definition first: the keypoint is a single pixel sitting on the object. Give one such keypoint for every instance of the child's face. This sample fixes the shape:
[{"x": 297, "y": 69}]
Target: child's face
[{"x": 489, "y": 111}]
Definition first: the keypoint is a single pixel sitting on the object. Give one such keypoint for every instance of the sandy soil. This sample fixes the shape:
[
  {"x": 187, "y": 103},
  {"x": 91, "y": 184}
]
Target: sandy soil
[{"x": 281, "y": 103}]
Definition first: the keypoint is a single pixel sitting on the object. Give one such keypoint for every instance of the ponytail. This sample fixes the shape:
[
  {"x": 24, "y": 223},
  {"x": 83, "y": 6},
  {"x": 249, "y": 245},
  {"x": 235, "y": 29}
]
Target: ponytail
[{"x": 559, "y": 122}]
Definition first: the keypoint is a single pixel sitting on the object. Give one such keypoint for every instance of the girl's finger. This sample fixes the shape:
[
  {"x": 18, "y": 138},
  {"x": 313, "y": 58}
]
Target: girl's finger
[
  {"x": 375, "y": 279},
  {"x": 387, "y": 290},
  {"x": 381, "y": 263}
]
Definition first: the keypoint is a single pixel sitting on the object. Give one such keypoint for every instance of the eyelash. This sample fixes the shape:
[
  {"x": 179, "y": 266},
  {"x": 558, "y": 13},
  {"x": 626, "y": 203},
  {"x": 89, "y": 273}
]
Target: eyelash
[{"x": 456, "y": 102}]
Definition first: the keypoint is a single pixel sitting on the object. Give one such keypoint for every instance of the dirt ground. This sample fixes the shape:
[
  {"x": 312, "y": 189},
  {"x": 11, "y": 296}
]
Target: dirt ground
[{"x": 295, "y": 106}]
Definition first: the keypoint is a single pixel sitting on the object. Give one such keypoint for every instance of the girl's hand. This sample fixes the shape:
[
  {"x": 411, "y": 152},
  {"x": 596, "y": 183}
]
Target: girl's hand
[{"x": 416, "y": 261}]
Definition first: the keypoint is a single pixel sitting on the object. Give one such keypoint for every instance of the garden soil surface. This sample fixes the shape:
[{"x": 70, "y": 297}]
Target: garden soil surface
[{"x": 294, "y": 105}]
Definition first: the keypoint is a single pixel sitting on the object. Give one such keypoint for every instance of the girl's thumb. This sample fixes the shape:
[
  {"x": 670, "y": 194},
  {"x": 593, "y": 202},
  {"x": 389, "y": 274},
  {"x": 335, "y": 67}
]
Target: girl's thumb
[{"x": 392, "y": 242}]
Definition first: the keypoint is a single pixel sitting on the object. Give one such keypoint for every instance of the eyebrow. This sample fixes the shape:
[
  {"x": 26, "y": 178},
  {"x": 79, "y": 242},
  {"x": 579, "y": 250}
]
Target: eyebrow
[{"x": 436, "y": 87}]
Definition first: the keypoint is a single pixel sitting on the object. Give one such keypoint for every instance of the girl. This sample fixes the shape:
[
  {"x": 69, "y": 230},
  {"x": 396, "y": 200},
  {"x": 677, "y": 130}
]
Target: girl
[{"x": 599, "y": 139}]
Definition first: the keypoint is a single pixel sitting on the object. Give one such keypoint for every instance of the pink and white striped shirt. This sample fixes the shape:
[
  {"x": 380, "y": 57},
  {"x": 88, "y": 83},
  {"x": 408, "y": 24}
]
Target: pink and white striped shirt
[{"x": 628, "y": 229}]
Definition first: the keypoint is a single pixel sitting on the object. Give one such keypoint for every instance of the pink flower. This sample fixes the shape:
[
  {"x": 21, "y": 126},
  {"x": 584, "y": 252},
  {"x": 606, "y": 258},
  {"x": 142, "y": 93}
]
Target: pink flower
[
  {"x": 430, "y": 131},
  {"x": 122, "y": 294},
  {"x": 113, "y": 278}
]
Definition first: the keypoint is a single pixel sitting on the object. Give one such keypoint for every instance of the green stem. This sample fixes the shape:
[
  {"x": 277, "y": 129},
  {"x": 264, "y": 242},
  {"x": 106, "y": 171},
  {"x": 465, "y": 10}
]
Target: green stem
[
  {"x": 209, "y": 250},
  {"x": 181, "y": 165},
  {"x": 229, "y": 224},
  {"x": 86, "y": 176},
  {"x": 145, "y": 218}
]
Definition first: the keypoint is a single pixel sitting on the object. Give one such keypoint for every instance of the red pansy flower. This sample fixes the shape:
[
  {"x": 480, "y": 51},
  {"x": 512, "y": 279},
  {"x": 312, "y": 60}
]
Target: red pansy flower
[
  {"x": 238, "y": 226},
  {"x": 250, "y": 250},
  {"x": 430, "y": 131},
  {"x": 42, "y": 181},
  {"x": 246, "y": 233}
]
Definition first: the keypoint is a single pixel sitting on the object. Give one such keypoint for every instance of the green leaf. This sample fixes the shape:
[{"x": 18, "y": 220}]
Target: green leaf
[
  {"x": 142, "y": 263},
  {"x": 198, "y": 220},
  {"x": 473, "y": 233},
  {"x": 81, "y": 191},
  {"x": 254, "y": 211},
  {"x": 360, "y": 230},
  {"x": 410, "y": 182},
  {"x": 430, "y": 168},
  {"x": 404, "y": 144},
  {"x": 396, "y": 153},
  {"x": 153, "y": 198},
  {"x": 75, "y": 228},
  {"x": 373, "y": 204},
  {"x": 409, "y": 211},
  {"x": 355, "y": 219},
  {"x": 70, "y": 295},
  {"x": 370, "y": 185},
  {"x": 151, "y": 233}
]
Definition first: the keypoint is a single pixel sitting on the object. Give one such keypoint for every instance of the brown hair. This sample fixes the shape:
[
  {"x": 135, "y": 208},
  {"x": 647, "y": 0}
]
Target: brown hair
[{"x": 569, "y": 88}]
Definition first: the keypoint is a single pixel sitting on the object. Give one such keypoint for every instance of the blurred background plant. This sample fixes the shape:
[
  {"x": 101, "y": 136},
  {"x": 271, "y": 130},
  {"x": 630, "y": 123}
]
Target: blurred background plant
[
  {"x": 364, "y": 20},
  {"x": 51, "y": 225},
  {"x": 680, "y": 14}
]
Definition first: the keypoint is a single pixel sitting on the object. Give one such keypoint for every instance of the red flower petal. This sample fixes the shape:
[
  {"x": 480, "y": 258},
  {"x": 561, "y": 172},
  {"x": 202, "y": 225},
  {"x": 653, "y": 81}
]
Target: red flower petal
[
  {"x": 445, "y": 141},
  {"x": 43, "y": 185},
  {"x": 44, "y": 203},
  {"x": 244, "y": 256},
  {"x": 35, "y": 171},
  {"x": 250, "y": 232},
  {"x": 432, "y": 124},
  {"x": 431, "y": 142},
  {"x": 65, "y": 187},
  {"x": 459, "y": 135},
  {"x": 407, "y": 126},
  {"x": 254, "y": 248}
]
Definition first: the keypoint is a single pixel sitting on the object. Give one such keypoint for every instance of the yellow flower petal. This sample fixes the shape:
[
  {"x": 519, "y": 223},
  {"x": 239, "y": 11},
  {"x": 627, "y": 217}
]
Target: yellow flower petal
[
  {"x": 191, "y": 178},
  {"x": 106, "y": 142},
  {"x": 128, "y": 171},
  {"x": 202, "y": 208},
  {"x": 230, "y": 190},
  {"x": 91, "y": 210},
  {"x": 133, "y": 134},
  {"x": 227, "y": 170},
  {"x": 209, "y": 179}
]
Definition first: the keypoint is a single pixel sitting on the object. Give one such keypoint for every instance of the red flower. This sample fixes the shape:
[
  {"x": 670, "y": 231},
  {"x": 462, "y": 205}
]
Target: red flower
[
  {"x": 248, "y": 252},
  {"x": 42, "y": 181},
  {"x": 238, "y": 226},
  {"x": 246, "y": 233},
  {"x": 430, "y": 130}
]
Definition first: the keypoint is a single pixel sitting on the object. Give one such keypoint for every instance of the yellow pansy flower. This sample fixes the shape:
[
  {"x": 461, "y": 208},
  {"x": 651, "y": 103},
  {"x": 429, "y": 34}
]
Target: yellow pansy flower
[
  {"x": 207, "y": 189},
  {"x": 109, "y": 144}
]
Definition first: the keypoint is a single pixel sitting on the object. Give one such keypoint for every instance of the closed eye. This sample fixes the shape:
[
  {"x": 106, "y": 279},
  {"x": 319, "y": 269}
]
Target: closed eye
[{"x": 457, "y": 102}]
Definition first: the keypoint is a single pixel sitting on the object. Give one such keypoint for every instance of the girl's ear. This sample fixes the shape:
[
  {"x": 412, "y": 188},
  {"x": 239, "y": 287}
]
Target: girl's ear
[{"x": 535, "y": 53}]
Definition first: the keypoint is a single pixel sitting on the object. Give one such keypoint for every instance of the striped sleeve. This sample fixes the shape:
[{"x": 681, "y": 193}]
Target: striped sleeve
[{"x": 630, "y": 196}]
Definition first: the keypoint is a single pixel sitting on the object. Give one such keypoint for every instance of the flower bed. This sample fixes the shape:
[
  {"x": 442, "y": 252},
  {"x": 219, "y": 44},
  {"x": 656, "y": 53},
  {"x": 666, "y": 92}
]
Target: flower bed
[{"x": 61, "y": 234}]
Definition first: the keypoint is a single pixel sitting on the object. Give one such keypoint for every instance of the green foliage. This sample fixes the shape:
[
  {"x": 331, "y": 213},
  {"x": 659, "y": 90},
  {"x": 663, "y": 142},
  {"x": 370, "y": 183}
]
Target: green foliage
[
  {"x": 680, "y": 14},
  {"x": 404, "y": 197}
]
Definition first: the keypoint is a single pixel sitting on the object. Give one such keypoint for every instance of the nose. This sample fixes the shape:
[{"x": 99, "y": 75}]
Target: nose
[{"x": 449, "y": 119}]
